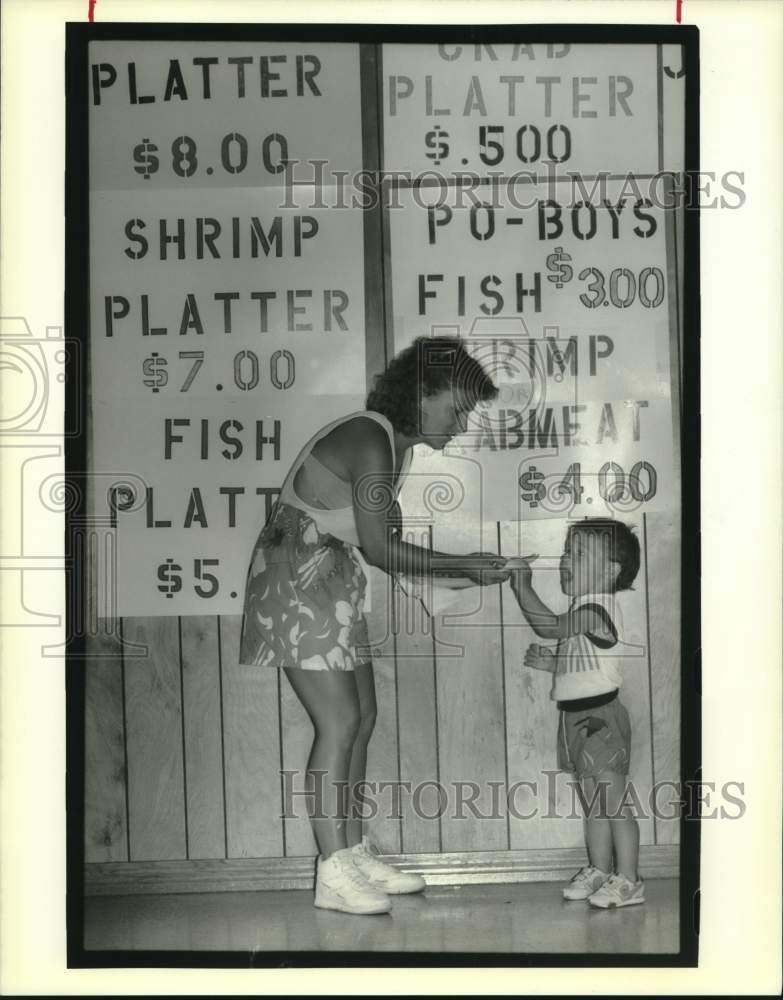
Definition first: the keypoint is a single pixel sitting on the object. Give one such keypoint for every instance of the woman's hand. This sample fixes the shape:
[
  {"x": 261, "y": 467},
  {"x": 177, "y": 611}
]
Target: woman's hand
[{"x": 485, "y": 568}]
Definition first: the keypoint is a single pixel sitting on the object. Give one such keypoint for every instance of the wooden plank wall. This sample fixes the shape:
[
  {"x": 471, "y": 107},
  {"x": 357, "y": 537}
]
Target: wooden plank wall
[{"x": 184, "y": 746}]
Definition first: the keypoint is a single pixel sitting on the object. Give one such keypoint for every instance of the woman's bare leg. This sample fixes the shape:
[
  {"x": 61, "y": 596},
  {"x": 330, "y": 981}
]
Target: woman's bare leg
[
  {"x": 365, "y": 687},
  {"x": 331, "y": 700}
]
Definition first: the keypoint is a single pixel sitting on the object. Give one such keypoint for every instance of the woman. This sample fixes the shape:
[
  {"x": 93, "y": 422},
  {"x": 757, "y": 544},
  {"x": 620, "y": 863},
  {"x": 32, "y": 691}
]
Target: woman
[{"x": 305, "y": 591}]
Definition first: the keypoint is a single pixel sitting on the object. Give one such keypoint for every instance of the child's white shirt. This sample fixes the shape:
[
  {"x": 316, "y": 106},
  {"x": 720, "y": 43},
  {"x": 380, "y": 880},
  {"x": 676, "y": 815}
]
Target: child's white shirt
[{"x": 588, "y": 666}]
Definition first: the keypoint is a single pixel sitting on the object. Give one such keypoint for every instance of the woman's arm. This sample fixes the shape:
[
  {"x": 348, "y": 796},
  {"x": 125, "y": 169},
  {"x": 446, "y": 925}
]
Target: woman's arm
[{"x": 372, "y": 477}]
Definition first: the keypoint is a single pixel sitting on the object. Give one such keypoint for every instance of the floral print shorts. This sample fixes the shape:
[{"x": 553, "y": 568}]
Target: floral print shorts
[{"x": 304, "y": 599}]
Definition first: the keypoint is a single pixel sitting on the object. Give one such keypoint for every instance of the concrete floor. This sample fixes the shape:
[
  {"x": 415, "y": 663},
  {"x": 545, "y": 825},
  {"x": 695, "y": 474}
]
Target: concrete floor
[{"x": 515, "y": 919}]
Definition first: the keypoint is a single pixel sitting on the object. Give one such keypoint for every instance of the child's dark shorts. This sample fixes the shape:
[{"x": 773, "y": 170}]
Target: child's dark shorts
[{"x": 589, "y": 748}]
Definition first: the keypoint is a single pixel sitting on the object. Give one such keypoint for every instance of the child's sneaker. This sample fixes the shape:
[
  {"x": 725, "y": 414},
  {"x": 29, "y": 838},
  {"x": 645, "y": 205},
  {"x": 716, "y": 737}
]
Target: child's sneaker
[
  {"x": 618, "y": 891},
  {"x": 586, "y": 881},
  {"x": 339, "y": 885},
  {"x": 383, "y": 876}
]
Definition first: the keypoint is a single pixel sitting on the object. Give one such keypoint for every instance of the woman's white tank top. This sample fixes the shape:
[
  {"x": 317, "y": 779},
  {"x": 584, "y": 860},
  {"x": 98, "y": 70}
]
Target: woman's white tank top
[{"x": 339, "y": 522}]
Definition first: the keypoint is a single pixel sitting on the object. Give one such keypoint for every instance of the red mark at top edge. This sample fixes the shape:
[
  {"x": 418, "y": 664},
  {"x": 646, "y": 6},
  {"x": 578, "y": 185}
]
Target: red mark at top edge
[
  {"x": 679, "y": 11},
  {"x": 91, "y": 10}
]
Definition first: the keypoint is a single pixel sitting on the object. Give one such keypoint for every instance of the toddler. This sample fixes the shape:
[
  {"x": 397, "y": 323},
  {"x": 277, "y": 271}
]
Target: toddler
[{"x": 600, "y": 558}]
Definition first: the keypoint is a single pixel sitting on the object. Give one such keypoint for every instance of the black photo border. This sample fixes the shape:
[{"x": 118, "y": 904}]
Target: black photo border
[{"x": 77, "y": 275}]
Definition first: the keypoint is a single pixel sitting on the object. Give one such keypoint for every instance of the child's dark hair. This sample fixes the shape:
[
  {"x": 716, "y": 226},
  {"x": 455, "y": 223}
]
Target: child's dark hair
[
  {"x": 428, "y": 366},
  {"x": 623, "y": 546}
]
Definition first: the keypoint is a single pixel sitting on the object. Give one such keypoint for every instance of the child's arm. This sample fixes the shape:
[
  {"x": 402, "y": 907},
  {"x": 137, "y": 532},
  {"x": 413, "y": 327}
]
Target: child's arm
[
  {"x": 591, "y": 619},
  {"x": 540, "y": 658}
]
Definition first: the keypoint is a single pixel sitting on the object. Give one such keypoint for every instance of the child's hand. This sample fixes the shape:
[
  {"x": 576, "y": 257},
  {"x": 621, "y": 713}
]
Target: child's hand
[
  {"x": 540, "y": 658},
  {"x": 521, "y": 571}
]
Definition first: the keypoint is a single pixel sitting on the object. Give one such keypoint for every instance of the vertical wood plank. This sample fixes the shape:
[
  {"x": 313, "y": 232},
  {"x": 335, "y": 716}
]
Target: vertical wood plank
[
  {"x": 203, "y": 736},
  {"x": 635, "y": 694},
  {"x": 674, "y": 160},
  {"x": 251, "y": 736},
  {"x": 663, "y": 529},
  {"x": 105, "y": 763},
  {"x": 156, "y": 790},
  {"x": 382, "y": 762},
  {"x": 382, "y": 753},
  {"x": 105, "y": 814},
  {"x": 471, "y": 711},
  {"x": 537, "y": 796},
  {"x": 663, "y": 554},
  {"x": 373, "y": 218},
  {"x": 418, "y": 722}
]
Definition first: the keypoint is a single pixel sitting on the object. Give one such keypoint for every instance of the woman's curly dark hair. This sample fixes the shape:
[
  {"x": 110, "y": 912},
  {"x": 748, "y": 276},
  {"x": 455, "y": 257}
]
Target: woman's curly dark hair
[{"x": 428, "y": 366}]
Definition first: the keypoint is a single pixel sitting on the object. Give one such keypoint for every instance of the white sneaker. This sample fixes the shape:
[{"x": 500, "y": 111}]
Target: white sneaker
[
  {"x": 339, "y": 885},
  {"x": 383, "y": 876},
  {"x": 585, "y": 883},
  {"x": 618, "y": 891}
]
